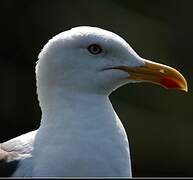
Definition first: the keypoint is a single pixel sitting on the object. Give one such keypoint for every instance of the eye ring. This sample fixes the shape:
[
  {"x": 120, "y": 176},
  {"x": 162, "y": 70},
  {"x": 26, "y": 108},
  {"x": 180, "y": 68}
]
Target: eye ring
[{"x": 94, "y": 49}]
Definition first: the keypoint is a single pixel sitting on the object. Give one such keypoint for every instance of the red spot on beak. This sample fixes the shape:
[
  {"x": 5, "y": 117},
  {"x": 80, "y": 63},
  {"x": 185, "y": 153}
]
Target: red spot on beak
[{"x": 169, "y": 82}]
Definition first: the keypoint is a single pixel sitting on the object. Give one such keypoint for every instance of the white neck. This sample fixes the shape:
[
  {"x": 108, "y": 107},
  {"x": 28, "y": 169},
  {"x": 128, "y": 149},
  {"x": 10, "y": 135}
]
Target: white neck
[
  {"x": 75, "y": 107},
  {"x": 80, "y": 135}
]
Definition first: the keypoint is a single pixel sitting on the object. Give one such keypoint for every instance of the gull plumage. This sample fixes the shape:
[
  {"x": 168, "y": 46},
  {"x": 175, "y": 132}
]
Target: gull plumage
[{"x": 80, "y": 133}]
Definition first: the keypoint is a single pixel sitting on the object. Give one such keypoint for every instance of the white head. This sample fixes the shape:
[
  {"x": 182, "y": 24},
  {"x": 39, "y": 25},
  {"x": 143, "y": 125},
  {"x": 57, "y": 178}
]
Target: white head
[
  {"x": 76, "y": 60},
  {"x": 93, "y": 60}
]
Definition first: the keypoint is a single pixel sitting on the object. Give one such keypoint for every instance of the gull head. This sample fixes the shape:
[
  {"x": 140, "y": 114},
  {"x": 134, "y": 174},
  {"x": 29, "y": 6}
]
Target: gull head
[{"x": 93, "y": 60}]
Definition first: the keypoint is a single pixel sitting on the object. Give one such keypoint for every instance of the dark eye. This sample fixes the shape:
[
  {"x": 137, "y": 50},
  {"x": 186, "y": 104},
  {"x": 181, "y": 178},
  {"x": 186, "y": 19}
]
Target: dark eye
[{"x": 94, "y": 49}]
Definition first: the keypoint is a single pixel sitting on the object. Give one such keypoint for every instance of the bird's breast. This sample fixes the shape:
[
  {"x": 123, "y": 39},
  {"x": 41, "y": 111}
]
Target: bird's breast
[{"x": 102, "y": 152}]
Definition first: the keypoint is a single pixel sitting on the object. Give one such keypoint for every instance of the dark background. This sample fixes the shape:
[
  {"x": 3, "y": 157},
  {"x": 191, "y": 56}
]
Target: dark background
[{"x": 158, "y": 122}]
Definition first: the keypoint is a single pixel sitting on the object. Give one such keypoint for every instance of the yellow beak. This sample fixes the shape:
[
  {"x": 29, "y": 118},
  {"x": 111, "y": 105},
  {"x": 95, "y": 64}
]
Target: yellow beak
[{"x": 156, "y": 73}]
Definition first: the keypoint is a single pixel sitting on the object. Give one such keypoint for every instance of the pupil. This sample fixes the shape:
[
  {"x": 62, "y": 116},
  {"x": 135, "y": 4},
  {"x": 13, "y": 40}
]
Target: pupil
[{"x": 95, "y": 48}]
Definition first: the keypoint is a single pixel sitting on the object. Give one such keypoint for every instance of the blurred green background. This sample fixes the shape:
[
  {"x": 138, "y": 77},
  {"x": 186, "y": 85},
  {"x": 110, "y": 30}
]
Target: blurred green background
[{"x": 158, "y": 122}]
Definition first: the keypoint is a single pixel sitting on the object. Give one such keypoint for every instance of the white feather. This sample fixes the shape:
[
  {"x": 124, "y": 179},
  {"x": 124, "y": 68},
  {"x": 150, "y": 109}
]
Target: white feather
[{"x": 80, "y": 133}]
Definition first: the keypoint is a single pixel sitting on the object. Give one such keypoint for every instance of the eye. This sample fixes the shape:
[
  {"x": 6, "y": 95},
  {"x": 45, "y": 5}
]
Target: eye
[{"x": 94, "y": 49}]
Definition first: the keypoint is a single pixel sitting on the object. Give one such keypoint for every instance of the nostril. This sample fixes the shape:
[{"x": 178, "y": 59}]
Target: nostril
[{"x": 162, "y": 71}]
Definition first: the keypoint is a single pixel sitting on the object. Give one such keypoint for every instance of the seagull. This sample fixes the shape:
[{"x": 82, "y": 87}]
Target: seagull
[{"x": 80, "y": 134}]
